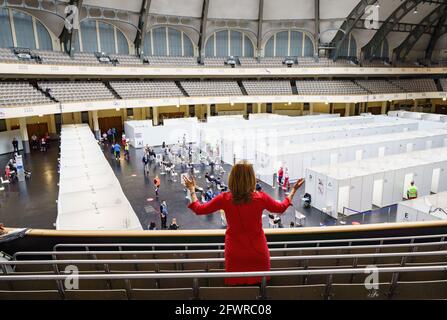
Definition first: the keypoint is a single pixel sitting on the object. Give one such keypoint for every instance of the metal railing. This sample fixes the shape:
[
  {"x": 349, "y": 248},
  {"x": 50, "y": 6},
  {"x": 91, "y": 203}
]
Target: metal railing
[
  {"x": 108, "y": 262},
  {"x": 275, "y": 243},
  {"x": 221, "y": 251},
  {"x": 198, "y": 275}
]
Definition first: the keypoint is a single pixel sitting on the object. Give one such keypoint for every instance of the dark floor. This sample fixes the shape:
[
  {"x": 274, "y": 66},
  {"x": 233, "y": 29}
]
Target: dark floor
[{"x": 32, "y": 203}]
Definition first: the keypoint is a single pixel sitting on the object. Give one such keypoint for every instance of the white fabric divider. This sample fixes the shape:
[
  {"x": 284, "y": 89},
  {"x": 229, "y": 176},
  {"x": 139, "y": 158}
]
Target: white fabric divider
[
  {"x": 90, "y": 196},
  {"x": 358, "y": 185},
  {"x": 428, "y": 208}
]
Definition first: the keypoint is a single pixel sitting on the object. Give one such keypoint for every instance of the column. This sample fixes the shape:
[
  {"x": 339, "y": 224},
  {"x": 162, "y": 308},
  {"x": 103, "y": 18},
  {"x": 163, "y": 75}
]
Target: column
[
  {"x": 384, "y": 105},
  {"x": 124, "y": 112},
  {"x": 347, "y": 109},
  {"x": 208, "y": 110},
  {"x": 311, "y": 108},
  {"x": 24, "y": 135},
  {"x": 155, "y": 116},
  {"x": 259, "y": 106},
  {"x": 415, "y": 105},
  {"x": 52, "y": 124},
  {"x": 143, "y": 113},
  {"x": 95, "y": 121}
]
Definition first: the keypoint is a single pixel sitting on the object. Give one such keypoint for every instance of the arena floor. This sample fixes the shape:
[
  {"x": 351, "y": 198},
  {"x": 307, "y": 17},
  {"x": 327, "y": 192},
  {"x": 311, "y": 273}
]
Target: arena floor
[{"x": 33, "y": 204}]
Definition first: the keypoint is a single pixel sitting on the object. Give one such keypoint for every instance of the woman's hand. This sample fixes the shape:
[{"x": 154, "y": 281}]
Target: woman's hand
[
  {"x": 298, "y": 184},
  {"x": 190, "y": 184}
]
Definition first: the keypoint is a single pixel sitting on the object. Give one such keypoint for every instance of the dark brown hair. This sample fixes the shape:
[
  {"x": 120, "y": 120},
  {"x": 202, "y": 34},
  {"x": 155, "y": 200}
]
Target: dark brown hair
[{"x": 242, "y": 182}]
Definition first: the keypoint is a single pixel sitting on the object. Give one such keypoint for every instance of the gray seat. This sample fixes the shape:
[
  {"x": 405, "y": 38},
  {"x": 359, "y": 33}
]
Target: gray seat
[
  {"x": 229, "y": 293},
  {"x": 420, "y": 290},
  {"x": 95, "y": 295},
  {"x": 162, "y": 294},
  {"x": 30, "y": 295},
  {"x": 306, "y": 292},
  {"x": 359, "y": 292}
]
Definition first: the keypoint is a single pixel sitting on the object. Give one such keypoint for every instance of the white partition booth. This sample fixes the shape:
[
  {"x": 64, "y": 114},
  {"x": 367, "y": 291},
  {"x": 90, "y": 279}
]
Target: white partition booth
[
  {"x": 360, "y": 185},
  {"x": 241, "y": 144},
  {"x": 143, "y": 132},
  {"x": 298, "y": 157},
  {"x": 428, "y": 208},
  {"x": 419, "y": 115},
  {"x": 90, "y": 195}
]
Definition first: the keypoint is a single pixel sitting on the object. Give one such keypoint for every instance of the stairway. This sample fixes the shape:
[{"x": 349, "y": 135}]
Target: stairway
[
  {"x": 45, "y": 93},
  {"x": 294, "y": 88},
  {"x": 241, "y": 86},
  {"x": 179, "y": 85},
  {"x": 107, "y": 84}
]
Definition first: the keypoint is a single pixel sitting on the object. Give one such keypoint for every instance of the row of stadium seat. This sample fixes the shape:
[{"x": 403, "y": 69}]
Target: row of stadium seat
[
  {"x": 22, "y": 93},
  {"x": 407, "y": 268}
]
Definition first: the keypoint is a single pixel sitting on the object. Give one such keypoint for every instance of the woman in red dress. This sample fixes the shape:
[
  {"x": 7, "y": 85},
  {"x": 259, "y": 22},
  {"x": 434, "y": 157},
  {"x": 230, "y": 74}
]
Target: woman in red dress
[{"x": 245, "y": 242}]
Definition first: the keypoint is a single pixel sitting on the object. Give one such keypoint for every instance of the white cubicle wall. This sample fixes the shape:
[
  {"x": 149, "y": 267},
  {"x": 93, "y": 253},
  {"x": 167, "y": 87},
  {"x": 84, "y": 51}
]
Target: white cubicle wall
[
  {"x": 143, "y": 132},
  {"x": 6, "y": 138},
  {"x": 360, "y": 185},
  {"x": 428, "y": 208},
  {"x": 298, "y": 157},
  {"x": 90, "y": 196}
]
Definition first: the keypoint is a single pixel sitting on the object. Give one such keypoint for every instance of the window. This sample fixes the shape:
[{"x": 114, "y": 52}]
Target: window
[
  {"x": 289, "y": 43},
  {"x": 157, "y": 41},
  {"x": 5, "y": 29},
  {"x": 229, "y": 43},
  {"x": 45, "y": 42},
  {"x": 111, "y": 39},
  {"x": 23, "y": 24}
]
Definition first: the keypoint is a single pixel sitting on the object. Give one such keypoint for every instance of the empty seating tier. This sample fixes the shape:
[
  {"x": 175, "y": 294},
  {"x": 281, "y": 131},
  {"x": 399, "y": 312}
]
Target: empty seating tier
[
  {"x": 329, "y": 87},
  {"x": 66, "y": 91},
  {"x": 408, "y": 267},
  {"x": 268, "y": 87},
  {"x": 171, "y": 61},
  {"x": 146, "y": 89},
  {"x": 20, "y": 94},
  {"x": 211, "y": 88},
  {"x": 416, "y": 85},
  {"x": 379, "y": 86}
]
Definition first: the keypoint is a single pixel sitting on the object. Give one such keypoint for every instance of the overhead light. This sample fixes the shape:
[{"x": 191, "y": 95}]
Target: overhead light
[
  {"x": 416, "y": 10},
  {"x": 41, "y": 115},
  {"x": 289, "y": 103},
  {"x": 443, "y": 99},
  {"x": 232, "y": 103},
  {"x": 178, "y": 105},
  {"x": 326, "y": 102},
  {"x": 377, "y": 4},
  {"x": 117, "y": 109}
]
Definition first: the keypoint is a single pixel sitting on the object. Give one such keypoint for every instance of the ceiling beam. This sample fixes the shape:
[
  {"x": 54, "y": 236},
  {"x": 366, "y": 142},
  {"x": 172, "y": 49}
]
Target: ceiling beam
[
  {"x": 349, "y": 23},
  {"x": 202, "y": 34},
  {"x": 260, "y": 22},
  {"x": 67, "y": 36},
  {"x": 440, "y": 29},
  {"x": 142, "y": 27},
  {"x": 401, "y": 52},
  {"x": 388, "y": 26}
]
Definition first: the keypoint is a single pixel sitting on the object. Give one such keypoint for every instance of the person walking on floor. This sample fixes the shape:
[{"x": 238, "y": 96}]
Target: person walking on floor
[
  {"x": 157, "y": 185},
  {"x": 164, "y": 214},
  {"x": 245, "y": 242},
  {"x": 15, "y": 145},
  {"x": 117, "y": 150}
]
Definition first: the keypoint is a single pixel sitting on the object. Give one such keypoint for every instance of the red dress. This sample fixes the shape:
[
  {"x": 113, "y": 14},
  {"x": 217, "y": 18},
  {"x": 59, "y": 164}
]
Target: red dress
[{"x": 245, "y": 243}]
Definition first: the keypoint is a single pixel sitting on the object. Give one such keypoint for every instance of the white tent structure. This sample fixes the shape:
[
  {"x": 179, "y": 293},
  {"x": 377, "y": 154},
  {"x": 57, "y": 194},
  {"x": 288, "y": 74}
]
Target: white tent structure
[
  {"x": 359, "y": 185},
  {"x": 428, "y": 208},
  {"x": 241, "y": 144},
  {"x": 419, "y": 116},
  {"x": 298, "y": 157},
  {"x": 90, "y": 196},
  {"x": 142, "y": 132}
]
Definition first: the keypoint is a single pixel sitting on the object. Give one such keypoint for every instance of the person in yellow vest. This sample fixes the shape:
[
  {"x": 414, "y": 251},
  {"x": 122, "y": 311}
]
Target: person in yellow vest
[{"x": 412, "y": 192}]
